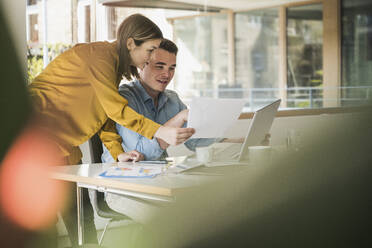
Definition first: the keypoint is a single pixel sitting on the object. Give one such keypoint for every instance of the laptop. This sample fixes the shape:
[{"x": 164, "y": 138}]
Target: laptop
[
  {"x": 234, "y": 153},
  {"x": 260, "y": 125}
]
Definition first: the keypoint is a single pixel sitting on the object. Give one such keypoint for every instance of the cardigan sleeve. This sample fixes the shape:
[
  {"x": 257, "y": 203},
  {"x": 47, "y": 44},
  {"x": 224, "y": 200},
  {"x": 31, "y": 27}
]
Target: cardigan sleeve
[{"x": 111, "y": 139}]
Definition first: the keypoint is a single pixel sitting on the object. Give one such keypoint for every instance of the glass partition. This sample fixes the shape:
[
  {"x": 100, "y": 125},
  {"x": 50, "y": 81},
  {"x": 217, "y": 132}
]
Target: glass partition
[
  {"x": 202, "y": 57},
  {"x": 257, "y": 56},
  {"x": 356, "y": 52},
  {"x": 304, "y": 56}
]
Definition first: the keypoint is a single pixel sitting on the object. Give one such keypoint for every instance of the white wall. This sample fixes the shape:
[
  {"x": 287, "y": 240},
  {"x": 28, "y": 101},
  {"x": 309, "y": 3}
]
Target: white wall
[{"x": 15, "y": 13}]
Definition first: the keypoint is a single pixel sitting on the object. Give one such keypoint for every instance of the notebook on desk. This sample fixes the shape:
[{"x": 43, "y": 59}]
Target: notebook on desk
[{"x": 232, "y": 153}]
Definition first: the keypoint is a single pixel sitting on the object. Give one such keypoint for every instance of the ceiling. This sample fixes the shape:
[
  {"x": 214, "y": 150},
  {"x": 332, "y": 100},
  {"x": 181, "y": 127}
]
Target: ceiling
[
  {"x": 201, "y": 5},
  {"x": 238, "y": 4}
]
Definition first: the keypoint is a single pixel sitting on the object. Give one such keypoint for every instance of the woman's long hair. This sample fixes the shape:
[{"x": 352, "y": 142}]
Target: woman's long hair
[{"x": 141, "y": 29}]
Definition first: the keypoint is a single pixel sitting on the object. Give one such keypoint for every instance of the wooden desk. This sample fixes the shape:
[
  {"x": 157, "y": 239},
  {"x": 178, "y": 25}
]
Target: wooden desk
[{"x": 161, "y": 188}]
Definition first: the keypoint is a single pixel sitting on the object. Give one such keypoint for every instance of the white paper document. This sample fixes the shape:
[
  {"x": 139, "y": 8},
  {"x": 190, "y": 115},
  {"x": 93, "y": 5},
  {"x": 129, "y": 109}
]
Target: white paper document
[{"x": 211, "y": 118}]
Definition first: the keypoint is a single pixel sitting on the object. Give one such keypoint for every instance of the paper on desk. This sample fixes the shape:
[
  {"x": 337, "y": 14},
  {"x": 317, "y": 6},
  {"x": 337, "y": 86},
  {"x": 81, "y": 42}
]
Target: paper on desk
[
  {"x": 134, "y": 171},
  {"x": 211, "y": 118},
  {"x": 184, "y": 165}
]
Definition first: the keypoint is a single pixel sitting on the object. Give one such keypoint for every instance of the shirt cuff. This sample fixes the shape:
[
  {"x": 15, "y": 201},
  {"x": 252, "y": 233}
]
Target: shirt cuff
[
  {"x": 154, "y": 151},
  {"x": 149, "y": 128}
]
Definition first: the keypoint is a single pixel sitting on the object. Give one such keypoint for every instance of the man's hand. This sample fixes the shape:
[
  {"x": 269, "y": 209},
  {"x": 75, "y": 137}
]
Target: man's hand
[
  {"x": 163, "y": 145},
  {"x": 130, "y": 156},
  {"x": 177, "y": 121},
  {"x": 173, "y": 135}
]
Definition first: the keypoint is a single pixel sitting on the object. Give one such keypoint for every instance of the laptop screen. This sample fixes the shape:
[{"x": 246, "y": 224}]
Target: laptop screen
[{"x": 260, "y": 126}]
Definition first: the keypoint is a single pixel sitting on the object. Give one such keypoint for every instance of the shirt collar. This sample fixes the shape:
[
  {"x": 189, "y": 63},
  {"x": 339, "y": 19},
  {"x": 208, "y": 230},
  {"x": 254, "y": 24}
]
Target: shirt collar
[
  {"x": 143, "y": 93},
  {"x": 163, "y": 98}
]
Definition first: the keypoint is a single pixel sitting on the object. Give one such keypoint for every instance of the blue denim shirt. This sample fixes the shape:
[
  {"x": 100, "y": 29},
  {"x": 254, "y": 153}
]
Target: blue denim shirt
[{"x": 169, "y": 104}]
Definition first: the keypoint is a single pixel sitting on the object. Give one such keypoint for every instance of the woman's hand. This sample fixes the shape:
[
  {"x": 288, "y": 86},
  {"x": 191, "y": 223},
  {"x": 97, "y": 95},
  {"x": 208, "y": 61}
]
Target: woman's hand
[
  {"x": 174, "y": 135},
  {"x": 130, "y": 156}
]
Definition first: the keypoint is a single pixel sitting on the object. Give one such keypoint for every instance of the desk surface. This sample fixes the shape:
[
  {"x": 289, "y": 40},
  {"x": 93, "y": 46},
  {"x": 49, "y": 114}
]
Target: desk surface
[{"x": 167, "y": 184}]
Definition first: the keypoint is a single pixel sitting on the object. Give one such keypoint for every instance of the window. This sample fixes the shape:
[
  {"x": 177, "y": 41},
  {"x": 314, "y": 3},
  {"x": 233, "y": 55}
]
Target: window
[
  {"x": 111, "y": 23},
  {"x": 31, "y": 2},
  {"x": 202, "y": 43},
  {"x": 33, "y": 28},
  {"x": 87, "y": 23},
  {"x": 83, "y": 19},
  {"x": 292, "y": 51},
  {"x": 256, "y": 56},
  {"x": 356, "y": 52},
  {"x": 304, "y": 56}
]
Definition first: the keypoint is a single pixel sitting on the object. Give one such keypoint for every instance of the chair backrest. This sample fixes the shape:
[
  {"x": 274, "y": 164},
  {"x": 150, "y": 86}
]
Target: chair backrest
[
  {"x": 98, "y": 198},
  {"x": 97, "y": 150}
]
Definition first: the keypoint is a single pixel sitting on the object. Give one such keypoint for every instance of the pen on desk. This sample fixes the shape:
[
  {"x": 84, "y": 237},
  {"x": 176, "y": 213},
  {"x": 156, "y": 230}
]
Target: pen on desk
[
  {"x": 202, "y": 173},
  {"x": 153, "y": 162}
]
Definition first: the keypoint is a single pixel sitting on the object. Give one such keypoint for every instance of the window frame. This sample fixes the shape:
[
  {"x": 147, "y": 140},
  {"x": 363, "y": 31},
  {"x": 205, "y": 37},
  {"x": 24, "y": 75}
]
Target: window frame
[{"x": 30, "y": 10}]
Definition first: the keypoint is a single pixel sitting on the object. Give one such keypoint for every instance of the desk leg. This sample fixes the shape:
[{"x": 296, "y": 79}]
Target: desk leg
[{"x": 80, "y": 214}]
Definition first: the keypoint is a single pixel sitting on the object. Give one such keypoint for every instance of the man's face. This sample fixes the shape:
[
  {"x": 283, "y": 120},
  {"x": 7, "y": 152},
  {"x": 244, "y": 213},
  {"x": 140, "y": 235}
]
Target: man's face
[{"x": 159, "y": 71}]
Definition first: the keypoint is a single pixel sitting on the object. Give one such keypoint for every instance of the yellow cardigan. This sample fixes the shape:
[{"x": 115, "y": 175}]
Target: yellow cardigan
[{"x": 77, "y": 93}]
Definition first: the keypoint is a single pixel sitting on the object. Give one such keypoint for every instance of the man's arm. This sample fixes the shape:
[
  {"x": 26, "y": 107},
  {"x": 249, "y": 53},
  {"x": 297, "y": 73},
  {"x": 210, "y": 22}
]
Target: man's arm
[
  {"x": 111, "y": 138},
  {"x": 133, "y": 141}
]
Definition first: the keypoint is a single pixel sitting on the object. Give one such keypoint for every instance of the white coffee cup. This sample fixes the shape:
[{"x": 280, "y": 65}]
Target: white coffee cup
[
  {"x": 259, "y": 154},
  {"x": 204, "y": 154}
]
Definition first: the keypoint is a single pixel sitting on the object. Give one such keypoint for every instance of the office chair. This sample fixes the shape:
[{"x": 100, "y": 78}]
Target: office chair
[{"x": 98, "y": 198}]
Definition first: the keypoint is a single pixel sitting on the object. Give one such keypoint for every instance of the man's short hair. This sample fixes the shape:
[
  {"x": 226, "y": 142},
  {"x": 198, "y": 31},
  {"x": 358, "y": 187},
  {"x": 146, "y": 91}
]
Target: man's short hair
[{"x": 168, "y": 46}]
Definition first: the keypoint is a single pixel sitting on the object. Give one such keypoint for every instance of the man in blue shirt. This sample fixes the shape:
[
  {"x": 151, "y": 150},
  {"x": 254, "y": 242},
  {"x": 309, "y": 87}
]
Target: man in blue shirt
[{"x": 149, "y": 96}]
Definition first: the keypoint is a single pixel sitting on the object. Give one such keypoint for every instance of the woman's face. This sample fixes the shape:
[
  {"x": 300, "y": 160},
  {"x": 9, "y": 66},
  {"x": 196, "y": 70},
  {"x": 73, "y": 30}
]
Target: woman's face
[{"x": 141, "y": 54}]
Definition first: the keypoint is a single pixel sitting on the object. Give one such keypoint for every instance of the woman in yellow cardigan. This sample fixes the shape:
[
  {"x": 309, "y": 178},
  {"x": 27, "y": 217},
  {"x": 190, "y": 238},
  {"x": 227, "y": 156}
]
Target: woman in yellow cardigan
[
  {"x": 77, "y": 92},
  {"x": 77, "y": 96}
]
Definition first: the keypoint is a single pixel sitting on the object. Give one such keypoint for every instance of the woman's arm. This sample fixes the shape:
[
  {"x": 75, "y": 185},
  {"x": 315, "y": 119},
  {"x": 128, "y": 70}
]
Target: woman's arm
[{"x": 111, "y": 139}]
